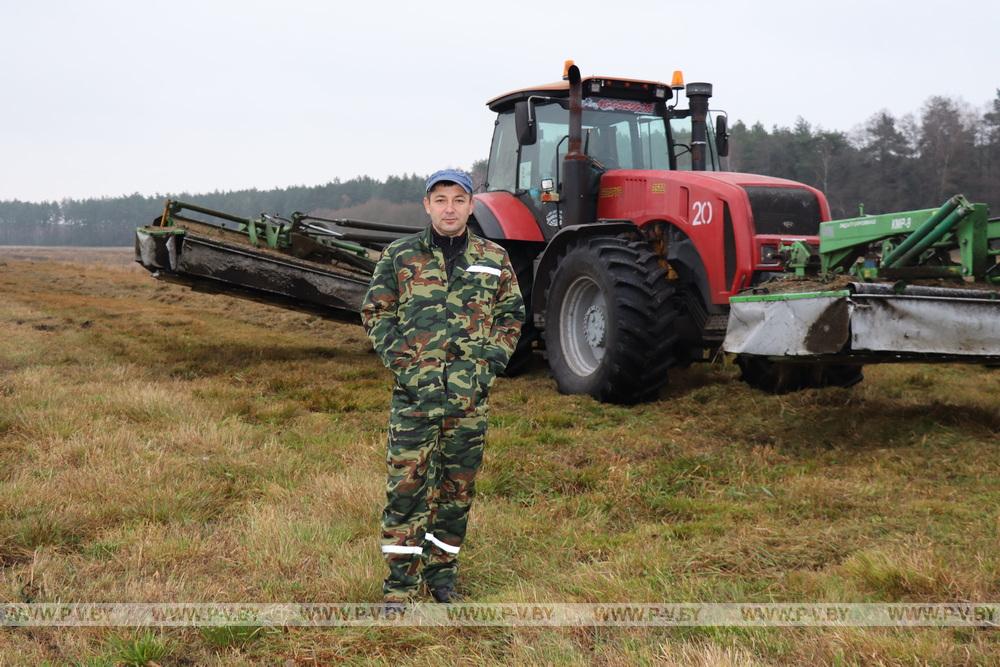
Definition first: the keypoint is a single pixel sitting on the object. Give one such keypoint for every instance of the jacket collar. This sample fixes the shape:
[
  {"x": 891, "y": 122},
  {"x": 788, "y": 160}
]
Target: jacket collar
[{"x": 473, "y": 249}]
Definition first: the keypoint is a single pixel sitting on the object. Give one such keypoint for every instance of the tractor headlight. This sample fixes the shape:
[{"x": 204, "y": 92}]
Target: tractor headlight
[{"x": 769, "y": 254}]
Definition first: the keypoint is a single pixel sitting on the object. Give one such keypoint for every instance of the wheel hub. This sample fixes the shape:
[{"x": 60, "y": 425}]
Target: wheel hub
[
  {"x": 594, "y": 326},
  {"x": 583, "y": 328}
]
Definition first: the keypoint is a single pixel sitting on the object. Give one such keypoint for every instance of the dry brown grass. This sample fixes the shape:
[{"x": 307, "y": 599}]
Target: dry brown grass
[{"x": 158, "y": 444}]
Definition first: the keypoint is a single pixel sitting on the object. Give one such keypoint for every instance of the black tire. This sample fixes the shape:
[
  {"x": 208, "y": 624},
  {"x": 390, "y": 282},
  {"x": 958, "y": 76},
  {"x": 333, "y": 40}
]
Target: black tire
[
  {"x": 782, "y": 377},
  {"x": 609, "y": 321}
]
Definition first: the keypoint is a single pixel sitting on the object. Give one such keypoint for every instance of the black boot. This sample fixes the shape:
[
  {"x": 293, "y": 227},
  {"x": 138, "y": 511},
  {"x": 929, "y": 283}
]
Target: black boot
[{"x": 446, "y": 593}]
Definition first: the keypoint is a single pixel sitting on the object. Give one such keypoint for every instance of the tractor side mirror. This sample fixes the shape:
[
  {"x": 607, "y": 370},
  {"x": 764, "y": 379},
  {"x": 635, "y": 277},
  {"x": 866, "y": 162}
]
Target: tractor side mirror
[
  {"x": 721, "y": 136},
  {"x": 524, "y": 123}
]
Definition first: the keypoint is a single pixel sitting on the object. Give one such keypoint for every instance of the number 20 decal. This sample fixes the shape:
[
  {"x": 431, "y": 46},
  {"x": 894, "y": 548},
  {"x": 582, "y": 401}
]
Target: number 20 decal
[{"x": 702, "y": 212}]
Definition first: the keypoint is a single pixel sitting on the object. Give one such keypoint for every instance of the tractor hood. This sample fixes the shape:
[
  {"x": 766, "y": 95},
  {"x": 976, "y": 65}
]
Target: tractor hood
[
  {"x": 723, "y": 181},
  {"x": 776, "y": 206}
]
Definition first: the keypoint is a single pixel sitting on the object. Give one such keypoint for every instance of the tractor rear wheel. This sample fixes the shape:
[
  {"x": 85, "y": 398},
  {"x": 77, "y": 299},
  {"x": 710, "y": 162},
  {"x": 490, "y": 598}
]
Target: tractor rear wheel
[
  {"x": 609, "y": 321},
  {"x": 777, "y": 377}
]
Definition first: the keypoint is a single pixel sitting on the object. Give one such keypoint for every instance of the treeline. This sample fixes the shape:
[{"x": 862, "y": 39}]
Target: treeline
[
  {"x": 887, "y": 164},
  {"x": 111, "y": 221}
]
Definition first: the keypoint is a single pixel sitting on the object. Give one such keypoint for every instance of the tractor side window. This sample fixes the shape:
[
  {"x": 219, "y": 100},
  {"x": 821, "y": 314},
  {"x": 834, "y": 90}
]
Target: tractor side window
[
  {"x": 712, "y": 155},
  {"x": 527, "y": 167},
  {"x": 553, "y": 128},
  {"x": 680, "y": 132},
  {"x": 502, "y": 171}
]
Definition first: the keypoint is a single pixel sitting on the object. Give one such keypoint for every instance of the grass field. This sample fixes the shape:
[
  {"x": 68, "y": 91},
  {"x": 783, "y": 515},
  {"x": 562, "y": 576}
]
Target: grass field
[{"x": 162, "y": 445}]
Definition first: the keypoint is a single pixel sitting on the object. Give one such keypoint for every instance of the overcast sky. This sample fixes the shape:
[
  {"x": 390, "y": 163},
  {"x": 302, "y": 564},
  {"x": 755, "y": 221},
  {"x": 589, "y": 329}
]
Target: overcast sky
[{"x": 111, "y": 97}]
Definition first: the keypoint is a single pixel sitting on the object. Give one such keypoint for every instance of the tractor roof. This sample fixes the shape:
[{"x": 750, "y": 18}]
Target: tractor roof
[{"x": 628, "y": 89}]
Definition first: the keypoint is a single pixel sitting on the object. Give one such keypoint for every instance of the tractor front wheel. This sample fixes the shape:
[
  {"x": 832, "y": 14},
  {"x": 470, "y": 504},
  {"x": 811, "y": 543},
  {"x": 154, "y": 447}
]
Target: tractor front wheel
[{"x": 609, "y": 321}]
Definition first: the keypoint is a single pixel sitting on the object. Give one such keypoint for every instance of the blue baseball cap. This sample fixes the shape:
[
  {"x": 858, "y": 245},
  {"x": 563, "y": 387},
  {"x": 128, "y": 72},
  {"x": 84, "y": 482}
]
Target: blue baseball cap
[{"x": 456, "y": 176}]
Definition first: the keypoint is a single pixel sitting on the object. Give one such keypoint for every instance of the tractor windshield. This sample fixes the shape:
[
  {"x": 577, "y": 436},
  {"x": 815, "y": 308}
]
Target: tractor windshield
[{"x": 619, "y": 134}]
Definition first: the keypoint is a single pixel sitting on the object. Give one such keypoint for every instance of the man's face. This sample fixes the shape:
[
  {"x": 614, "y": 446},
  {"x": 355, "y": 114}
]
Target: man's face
[{"x": 449, "y": 207}]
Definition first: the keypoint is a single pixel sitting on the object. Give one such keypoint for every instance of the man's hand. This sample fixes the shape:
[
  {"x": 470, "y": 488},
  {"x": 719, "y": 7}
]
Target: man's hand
[
  {"x": 379, "y": 316},
  {"x": 508, "y": 316}
]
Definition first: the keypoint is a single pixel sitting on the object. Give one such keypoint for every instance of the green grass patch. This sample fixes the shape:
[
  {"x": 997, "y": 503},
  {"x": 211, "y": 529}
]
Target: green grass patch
[
  {"x": 234, "y": 636},
  {"x": 138, "y": 651}
]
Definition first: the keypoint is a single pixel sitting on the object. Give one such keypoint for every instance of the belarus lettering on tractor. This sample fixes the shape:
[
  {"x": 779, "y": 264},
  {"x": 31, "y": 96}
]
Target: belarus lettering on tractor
[{"x": 635, "y": 252}]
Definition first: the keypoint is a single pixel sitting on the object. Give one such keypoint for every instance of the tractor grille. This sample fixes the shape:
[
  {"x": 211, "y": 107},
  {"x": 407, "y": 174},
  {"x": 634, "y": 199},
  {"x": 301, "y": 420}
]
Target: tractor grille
[{"x": 784, "y": 211}]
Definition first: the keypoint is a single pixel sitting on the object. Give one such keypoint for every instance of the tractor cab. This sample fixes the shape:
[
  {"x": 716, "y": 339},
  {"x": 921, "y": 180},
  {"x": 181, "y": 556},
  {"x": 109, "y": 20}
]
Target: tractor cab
[{"x": 625, "y": 124}]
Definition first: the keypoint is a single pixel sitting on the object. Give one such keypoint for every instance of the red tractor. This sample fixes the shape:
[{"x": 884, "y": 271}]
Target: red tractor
[{"x": 627, "y": 238}]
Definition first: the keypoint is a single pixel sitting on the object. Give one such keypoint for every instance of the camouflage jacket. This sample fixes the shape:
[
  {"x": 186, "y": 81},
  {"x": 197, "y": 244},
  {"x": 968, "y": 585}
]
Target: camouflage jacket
[{"x": 444, "y": 340}]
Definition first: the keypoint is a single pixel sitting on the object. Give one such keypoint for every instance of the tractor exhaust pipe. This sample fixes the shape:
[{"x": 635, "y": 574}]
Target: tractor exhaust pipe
[
  {"x": 580, "y": 206},
  {"x": 698, "y": 95},
  {"x": 575, "y": 113}
]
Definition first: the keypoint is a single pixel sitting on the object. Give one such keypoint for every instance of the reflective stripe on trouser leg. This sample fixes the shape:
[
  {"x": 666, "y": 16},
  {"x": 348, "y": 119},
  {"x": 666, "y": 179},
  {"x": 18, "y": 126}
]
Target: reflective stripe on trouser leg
[
  {"x": 410, "y": 462},
  {"x": 401, "y": 549},
  {"x": 441, "y": 545},
  {"x": 461, "y": 455}
]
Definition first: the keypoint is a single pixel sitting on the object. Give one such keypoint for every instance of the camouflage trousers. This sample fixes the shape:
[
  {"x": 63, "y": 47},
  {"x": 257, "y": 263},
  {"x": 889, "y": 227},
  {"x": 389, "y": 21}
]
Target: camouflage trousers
[{"x": 432, "y": 466}]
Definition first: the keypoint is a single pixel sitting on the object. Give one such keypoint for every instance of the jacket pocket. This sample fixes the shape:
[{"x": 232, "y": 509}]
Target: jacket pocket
[
  {"x": 407, "y": 372},
  {"x": 479, "y": 298},
  {"x": 402, "y": 360},
  {"x": 483, "y": 288},
  {"x": 486, "y": 377}
]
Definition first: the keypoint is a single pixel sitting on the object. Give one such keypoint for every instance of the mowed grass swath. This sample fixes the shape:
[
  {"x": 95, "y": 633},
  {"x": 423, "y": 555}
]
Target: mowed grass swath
[{"x": 158, "y": 444}]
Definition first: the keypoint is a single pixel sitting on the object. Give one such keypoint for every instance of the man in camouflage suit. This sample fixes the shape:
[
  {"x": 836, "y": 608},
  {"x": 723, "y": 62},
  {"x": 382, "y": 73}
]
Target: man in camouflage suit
[{"x": 444, "y": 313}]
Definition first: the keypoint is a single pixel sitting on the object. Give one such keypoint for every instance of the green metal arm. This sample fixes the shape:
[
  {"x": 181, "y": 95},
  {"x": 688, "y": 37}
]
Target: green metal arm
[{"x": 903, "y": 240}]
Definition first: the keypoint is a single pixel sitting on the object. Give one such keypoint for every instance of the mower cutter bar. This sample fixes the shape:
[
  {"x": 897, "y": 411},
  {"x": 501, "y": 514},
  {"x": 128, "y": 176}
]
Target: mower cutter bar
[
  {"x": 215, "y": 265},
  {"x": 874, "y": 322}
]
